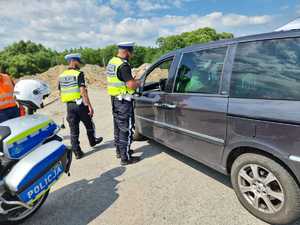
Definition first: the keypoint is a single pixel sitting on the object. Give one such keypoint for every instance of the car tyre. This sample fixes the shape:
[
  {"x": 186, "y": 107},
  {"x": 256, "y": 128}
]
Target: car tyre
[{"x": 266, "y": 189}]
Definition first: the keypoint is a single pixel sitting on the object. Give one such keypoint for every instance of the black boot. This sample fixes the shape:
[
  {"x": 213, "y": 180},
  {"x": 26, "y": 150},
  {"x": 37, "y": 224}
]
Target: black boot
[
  {"x": 118, "y": 154},
  {"x": 97, "y": 141},
  {"x": 132, "y": 160},
  {"x": 78, "y": 154}
]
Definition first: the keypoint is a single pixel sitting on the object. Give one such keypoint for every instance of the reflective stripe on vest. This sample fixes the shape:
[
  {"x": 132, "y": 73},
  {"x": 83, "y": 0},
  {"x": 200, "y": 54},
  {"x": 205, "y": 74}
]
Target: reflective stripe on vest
[
  {"x": 115, "y": 86},
  {"x": 7, "y": 99},
  {"x": 69, "y": 88}
]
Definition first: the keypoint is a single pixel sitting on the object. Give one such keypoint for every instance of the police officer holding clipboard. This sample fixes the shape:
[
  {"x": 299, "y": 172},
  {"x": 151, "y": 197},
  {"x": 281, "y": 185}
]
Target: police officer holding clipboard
[{"x": 120, "y": 86}]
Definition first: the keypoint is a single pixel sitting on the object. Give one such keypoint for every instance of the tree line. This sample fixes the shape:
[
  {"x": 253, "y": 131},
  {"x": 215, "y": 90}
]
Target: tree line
[{"x": 28, "y": 58}]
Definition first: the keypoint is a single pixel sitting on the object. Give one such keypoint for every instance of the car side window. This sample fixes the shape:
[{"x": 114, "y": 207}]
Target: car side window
[
  {"x": 157, "y": 78},
  {"x": 200, "y": 72},
  {"x": 268, "y": 69}
]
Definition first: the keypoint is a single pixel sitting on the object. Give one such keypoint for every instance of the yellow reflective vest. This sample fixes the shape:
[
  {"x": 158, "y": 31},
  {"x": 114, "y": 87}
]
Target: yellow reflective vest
[
  {"x": 115, "y": 86},
  {"x": 69, "y": 88}
]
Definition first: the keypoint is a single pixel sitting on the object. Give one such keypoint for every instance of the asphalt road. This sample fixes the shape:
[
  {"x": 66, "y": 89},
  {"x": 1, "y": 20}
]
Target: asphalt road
[{"x": 164, "y": 188}]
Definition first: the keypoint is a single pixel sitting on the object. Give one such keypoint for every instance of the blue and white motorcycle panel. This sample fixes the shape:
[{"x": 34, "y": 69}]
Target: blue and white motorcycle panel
[
  {"x": 37, "y": 171},
  {"x": 42, "y": 185},
  {"x": 20, "y": 148},
  {"x": 27, "y": 133}
]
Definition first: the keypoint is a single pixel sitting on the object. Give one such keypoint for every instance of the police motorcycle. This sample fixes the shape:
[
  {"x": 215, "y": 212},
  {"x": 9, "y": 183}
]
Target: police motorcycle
[{"x": 32, "y": 156}]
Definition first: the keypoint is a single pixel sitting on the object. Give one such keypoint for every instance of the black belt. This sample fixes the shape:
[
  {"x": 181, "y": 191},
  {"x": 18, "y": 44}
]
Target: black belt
[{"x": 116, "y": 98}]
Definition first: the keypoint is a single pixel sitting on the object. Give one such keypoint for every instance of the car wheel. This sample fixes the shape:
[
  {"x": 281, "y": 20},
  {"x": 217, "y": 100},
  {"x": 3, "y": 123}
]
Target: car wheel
[{"x": 266, "y": 189}]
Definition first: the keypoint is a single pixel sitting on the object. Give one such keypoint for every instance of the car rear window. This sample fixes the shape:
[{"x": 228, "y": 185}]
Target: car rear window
[{"x": 267, "y": 69}]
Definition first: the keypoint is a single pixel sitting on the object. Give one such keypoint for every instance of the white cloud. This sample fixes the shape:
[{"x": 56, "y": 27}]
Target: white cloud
[
  {"x": 64, "y": 24},
  {"x": 124, "y": 5},
  {"x": 59, "y": 23},
  {"x": 238, "y": 20},
  {"x": 146, "y": 5},
  {"x": 146, "y": 30},
  {"x": 152, "y": 5}
]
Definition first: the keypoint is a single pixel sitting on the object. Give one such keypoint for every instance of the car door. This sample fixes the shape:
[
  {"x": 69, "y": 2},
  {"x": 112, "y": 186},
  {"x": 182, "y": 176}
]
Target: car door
[
  {"x": 149, "y": 114},
  {"x": 197, "y": 111}
]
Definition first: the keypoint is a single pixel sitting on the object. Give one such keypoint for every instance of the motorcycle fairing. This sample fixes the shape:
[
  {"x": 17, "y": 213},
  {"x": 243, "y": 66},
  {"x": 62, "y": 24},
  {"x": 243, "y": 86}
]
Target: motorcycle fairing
[
  {"x": 29, "y": 178},
  {"x": 43, "y": 184},
  {"x": 27, "y": 133}
]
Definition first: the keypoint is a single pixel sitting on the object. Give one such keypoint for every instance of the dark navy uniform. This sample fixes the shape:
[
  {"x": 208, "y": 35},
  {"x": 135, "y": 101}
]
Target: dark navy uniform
[
  {"x": 121, "y": 87},
  {"x": 70, "y": 82},
  {"x": 118, "y": 74},
  {"x": 123, "y": 114}
]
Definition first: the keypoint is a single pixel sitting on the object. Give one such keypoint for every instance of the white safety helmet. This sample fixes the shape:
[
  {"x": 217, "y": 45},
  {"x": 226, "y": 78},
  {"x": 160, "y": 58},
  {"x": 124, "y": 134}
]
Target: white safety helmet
[{"x": 31, "y": 93}]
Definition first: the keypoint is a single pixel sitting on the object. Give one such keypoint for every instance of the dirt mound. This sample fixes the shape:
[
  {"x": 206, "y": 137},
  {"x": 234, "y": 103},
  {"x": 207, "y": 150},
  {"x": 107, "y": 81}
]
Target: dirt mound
[
  {"x": 49, "y": 76},
  {"x": 155, "y": 75},
  {"x": 138, "y": 72},
  {"x": 94, "y": 75}
]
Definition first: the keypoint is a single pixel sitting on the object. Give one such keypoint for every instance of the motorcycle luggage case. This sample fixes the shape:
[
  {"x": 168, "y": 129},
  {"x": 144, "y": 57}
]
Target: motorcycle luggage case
[
  {"x": 27, "y": 133},
  {"x": 33, "y": 175}
]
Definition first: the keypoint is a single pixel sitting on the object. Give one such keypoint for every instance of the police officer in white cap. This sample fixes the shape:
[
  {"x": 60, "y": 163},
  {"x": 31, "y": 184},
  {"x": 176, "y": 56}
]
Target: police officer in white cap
[
  {"x": 120, "y": 86},
  {"x": 73, "y": 92}
]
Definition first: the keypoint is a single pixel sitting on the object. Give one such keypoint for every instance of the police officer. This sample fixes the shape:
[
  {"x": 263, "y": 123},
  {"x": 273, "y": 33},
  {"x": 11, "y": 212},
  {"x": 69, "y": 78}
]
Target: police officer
[
  {"x": 120, "y": 86},
  {"x": 8, "y": 104},
  {"x": 73, "y": 92}
]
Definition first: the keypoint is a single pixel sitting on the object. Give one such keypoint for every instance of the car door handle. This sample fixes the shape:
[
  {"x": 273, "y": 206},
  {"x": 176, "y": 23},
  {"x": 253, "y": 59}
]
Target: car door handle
[
  {"x": 157, "y": 104},
  {"x": 169, "y": 106},
  {"x": 164, "y": 105}
]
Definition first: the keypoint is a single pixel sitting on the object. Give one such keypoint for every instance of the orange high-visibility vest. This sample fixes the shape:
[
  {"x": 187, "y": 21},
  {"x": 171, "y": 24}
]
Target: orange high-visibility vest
[{"x": 7, "y": 99}]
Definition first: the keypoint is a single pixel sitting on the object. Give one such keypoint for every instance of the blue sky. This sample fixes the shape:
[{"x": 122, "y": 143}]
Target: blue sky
[{"x": 64, "y": 24}]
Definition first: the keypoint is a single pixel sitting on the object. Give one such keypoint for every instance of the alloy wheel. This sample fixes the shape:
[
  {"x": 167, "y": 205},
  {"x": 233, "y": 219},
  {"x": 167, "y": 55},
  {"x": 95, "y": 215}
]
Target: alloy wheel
[{"x": 261, "y": 188}]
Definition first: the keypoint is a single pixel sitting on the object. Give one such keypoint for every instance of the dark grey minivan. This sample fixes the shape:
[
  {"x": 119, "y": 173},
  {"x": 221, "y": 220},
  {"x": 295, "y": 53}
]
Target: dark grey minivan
[{"x": 233, "y": 105}]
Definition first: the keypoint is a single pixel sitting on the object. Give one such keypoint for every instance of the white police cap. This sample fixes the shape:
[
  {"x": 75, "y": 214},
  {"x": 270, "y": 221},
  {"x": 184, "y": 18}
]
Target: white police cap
[
  {"x": 75, "y": 56},
  {"x": 126, "y": 45}
]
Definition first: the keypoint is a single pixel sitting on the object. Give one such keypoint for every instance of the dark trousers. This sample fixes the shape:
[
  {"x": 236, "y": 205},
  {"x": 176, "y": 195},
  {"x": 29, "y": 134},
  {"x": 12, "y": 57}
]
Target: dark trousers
[
  {"x": 10, "y": 113},
  {"x": 75, "y": 114},
  {"x": 123, "y": 115}
]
